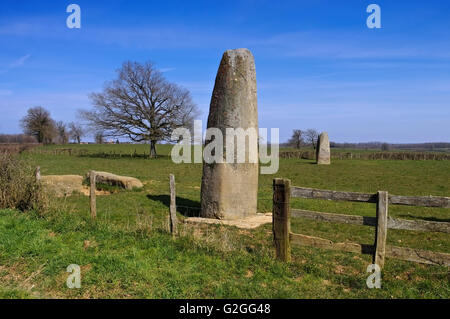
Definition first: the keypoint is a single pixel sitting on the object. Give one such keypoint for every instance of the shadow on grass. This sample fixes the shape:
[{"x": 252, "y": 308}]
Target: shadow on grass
[{"x": 185, "y": 207}]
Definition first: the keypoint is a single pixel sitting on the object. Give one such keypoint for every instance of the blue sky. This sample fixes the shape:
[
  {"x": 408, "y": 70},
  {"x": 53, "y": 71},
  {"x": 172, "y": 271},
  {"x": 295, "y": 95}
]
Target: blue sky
[{"x": 318, "y": 65}]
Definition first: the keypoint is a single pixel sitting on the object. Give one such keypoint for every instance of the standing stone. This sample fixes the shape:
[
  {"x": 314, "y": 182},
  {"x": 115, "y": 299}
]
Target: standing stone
[
  {"x": 323, "y": 149},
  {"x": 230, "y": 190}
]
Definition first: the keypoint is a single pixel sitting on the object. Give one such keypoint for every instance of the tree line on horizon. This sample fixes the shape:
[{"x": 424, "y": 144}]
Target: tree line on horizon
[{"x": 308, "y": 138}]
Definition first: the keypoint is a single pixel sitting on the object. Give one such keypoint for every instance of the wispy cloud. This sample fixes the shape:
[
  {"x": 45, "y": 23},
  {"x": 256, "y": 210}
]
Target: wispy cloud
[
  {"x": 20, "y": 61},
  {"x": 17, "y": 29},
  {"x": 163, "y": 70},
  {"x": 143, "y": 37},
  {"x": 15, "y": 64},
  {"x": 5, "y": 92},
  {"x": 344, "y": 44}
]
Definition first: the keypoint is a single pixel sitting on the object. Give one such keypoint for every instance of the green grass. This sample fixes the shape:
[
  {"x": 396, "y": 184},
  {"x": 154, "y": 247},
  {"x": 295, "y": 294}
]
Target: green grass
[{"x": 128, "y": 253}]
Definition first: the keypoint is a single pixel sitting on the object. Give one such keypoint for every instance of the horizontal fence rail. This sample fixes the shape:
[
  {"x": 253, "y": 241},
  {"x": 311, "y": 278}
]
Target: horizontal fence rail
[
  {"x": 404, "y": 253},
  {"x": 283, "y": 237},
  {"x": 393, "y": 223},
  {"x": 423, "y": 201},
  {"x": 313, "y": 193}
]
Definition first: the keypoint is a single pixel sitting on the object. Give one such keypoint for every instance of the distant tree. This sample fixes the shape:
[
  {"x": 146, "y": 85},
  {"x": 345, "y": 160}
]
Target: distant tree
[
  {"x": 141, "y": 105},
  {"x": 76, "y": 132},
  {"x": 62, "y": 133},
  {"x": 311, "y": 136},
  {"x": 38, "y": 123},
  {"x": 385, "y": 147},
  {"x": 297, "y": 139},
  {"x": 99, "y": 139}
]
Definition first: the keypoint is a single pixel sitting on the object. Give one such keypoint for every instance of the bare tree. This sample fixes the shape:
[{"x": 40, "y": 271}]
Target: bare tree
[
  {"x": 62, "y": 133},
  {"x": 141, "y": 105},
  {"x": 76, "y": 132},
  {"x": 297, "y": 139},
  {"x": 311, "y": 136},
  {"x": 38, "y": 123}
]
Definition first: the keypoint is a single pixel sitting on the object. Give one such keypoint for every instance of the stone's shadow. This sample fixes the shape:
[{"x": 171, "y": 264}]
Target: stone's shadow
[
  {"x": 185, "y": 207},
  {"x": 430, "y": 219},
  {"x": 367, "y": 249}
]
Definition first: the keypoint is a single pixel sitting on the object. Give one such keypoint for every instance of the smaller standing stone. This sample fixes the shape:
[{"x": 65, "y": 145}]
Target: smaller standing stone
[{"x": 323, "y": 149}]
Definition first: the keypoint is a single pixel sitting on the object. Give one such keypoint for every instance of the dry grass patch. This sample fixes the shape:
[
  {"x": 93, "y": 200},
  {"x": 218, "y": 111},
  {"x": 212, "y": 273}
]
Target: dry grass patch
[{"x": 19, "y": 188}]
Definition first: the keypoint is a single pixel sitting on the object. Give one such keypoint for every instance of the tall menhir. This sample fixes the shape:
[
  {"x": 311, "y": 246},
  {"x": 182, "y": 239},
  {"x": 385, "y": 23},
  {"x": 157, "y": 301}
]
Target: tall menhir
[{"x": 230, "y": 190}]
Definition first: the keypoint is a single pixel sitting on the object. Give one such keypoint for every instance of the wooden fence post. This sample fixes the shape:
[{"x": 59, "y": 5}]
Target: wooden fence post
[
  {"x": 38, "y": 173},
  {"x": 281, "y": 224},
  {"x": 173, "y": 206},
  {"x": 92, "y": 179},
  {"x": 381, "y": 231}
]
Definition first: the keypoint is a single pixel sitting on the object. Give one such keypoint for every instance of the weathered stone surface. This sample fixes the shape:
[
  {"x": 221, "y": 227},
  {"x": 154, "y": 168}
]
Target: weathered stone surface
[
  {"x": 62, "y": 185},
  {"x": 116, "y": 180},
  {"x": 229, "y": 190},
  {"x": 323, "y": 149}
]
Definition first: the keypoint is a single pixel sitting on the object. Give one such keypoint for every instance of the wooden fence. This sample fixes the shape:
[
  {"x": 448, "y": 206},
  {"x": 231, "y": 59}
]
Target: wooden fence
[{"x": 283, "y": 237}]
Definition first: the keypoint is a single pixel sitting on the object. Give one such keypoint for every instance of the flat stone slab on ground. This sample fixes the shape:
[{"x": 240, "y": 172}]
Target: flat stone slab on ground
[
  {"x": 249, "y": 222},
  {"x": 117, "y": 180}
]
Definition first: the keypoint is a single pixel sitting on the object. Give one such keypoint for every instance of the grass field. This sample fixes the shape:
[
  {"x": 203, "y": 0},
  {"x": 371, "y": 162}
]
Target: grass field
[{"x": 128, "y": 253}]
